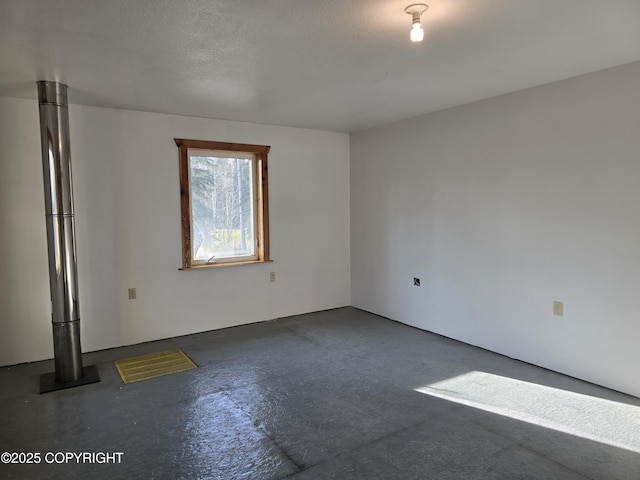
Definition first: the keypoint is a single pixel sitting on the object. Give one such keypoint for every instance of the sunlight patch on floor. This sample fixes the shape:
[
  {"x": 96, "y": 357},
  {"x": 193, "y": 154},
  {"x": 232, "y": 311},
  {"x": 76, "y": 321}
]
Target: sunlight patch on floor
[{"x": 605, "y": 421}]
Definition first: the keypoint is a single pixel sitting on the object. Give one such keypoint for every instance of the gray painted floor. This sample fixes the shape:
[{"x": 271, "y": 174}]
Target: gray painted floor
[{"x": 339, "y": 394}]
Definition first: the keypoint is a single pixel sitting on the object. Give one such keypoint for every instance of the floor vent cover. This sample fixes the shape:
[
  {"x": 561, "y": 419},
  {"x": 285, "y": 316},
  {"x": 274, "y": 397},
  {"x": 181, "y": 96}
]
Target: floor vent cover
[{"x": 153, "y": 365}]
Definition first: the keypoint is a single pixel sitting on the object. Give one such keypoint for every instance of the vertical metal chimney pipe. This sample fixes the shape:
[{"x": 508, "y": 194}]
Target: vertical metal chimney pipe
[{"x": 58, "y": 196}]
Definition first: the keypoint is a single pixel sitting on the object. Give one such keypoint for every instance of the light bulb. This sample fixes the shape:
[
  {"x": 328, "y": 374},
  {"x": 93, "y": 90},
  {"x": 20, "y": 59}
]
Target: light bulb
[
  {"x": 417, "y": 33},
  {"x": 416, "y": 10}
]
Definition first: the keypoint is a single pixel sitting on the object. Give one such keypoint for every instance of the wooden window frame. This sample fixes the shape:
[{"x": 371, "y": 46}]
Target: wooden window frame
[{"x": 262, "y": 193}]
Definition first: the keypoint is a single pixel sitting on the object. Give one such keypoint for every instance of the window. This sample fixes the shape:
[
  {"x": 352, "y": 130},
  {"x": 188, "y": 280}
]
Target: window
[{"x": 224, "y": 203}]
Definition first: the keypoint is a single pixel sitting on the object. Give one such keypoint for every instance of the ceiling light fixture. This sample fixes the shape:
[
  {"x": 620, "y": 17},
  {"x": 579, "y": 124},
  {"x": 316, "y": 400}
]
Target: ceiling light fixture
[{"x": 416, "y": 10}]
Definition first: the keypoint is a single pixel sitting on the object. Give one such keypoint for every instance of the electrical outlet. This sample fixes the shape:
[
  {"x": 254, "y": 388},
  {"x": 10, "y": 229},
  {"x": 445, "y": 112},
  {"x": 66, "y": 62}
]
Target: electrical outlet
[
  {"x": 132, "y": 294},
  {"x": 272, "y": 277},
  {"x": 416, "y": 282},
  {"x": 558, "y": 309}
]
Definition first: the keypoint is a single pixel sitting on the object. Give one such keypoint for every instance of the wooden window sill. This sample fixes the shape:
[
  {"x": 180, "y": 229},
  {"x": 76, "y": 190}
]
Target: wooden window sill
[{"x": 225, "y": 264}]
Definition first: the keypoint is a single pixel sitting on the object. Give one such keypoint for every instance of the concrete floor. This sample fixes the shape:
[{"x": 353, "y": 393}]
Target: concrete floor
[{"x": 339, "y": 394}]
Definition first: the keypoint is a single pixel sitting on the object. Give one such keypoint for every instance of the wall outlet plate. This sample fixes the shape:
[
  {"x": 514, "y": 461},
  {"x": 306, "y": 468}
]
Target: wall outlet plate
[
  {"x": 132, "y": 294},
  {"x": 558, "y": 309}
]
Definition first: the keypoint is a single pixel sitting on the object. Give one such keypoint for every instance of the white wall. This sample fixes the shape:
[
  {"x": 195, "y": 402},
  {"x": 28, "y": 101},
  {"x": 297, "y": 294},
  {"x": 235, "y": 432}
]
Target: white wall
[
  {"x": 125, "y": 167},
  {"x": 502, "y": 207}
]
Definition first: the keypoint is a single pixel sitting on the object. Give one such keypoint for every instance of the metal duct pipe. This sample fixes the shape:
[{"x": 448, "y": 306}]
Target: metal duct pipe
[{"x": 58, "y": 195}]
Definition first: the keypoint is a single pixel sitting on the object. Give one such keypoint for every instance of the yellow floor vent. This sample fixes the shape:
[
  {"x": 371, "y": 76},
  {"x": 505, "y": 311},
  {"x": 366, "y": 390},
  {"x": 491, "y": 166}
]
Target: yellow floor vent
[{"x": 153, "y": 365}]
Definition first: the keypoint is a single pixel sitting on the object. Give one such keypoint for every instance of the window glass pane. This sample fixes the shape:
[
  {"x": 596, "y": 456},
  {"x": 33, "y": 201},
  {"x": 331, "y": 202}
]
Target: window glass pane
[{"x": 222, "y": 204}]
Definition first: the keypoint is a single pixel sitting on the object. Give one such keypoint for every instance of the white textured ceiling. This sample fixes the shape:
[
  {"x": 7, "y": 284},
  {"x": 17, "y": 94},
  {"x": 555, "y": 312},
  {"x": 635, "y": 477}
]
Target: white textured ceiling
[{"x": 342, "y": 65}]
